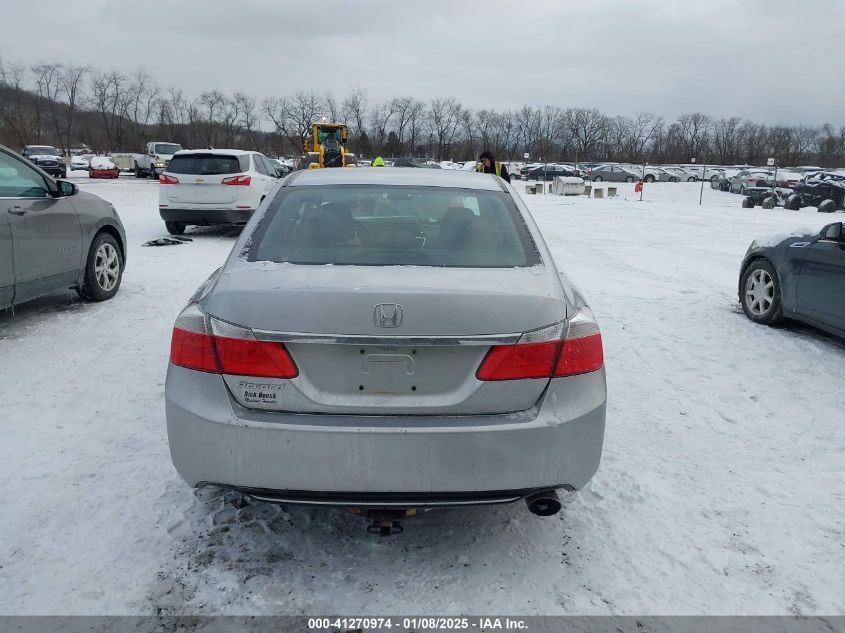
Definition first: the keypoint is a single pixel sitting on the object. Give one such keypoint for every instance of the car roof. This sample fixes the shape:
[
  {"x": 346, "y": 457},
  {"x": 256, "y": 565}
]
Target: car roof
[
  {"x": 224, "y": 152},
  {"x": 397, "y": 176}
]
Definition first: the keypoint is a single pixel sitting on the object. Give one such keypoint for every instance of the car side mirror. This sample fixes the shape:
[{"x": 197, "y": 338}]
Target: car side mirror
[
  {"x": 833, "y": 232},
  {"x": 65, "y": 188}
]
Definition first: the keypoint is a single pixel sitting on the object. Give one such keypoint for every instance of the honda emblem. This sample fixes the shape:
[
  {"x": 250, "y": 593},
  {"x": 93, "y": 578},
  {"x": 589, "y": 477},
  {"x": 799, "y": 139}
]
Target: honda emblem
[{"x": 388, "y": 315}]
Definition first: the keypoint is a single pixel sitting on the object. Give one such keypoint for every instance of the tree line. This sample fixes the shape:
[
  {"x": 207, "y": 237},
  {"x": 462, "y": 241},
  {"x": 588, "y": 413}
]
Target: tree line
[{"x": 108, "y": 111}]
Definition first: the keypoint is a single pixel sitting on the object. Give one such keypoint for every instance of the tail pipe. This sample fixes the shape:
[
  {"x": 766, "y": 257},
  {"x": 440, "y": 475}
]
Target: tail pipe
[{"x": 543, "y": 504}]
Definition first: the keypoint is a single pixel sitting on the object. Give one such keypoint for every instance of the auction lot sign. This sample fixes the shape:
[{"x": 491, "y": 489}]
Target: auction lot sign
[{"x": 424, "y": 624}]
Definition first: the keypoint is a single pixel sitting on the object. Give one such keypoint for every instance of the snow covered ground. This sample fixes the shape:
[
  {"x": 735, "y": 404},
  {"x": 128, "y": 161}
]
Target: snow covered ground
[{"x": 721, "y": 489}]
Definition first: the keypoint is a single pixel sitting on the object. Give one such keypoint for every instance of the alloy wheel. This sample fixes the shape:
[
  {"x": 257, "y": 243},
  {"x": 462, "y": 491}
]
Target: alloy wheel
[
  {"x": 106, "y": 266},
  {"x": 759, "y": 292}
]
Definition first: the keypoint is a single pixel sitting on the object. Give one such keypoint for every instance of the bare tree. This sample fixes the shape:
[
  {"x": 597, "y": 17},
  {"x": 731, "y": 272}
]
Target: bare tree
[
  {"x": 693, "y": 133},
  {"x": 444, "y": 117},
  {"x": 71, "y": 86},
  {"x": 586, "y": 127},
  {"x": 12, "y": 79},
  {"x": 726, "y": 139}
]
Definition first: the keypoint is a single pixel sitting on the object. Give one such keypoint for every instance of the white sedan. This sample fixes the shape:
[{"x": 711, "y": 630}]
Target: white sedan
[{"x": 219, "y": 186}]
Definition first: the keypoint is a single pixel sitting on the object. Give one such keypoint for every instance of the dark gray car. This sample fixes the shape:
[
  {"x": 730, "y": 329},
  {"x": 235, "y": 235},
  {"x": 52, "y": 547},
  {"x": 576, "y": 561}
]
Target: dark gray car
[
  {"x": 801, "y": 277},
  {"x": 52, "y": 236}
]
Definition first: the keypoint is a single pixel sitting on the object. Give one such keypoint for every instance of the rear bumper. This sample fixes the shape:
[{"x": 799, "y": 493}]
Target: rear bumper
[
  {"x": 207, "y": 216},
  {"x": 383, "y": 461}
]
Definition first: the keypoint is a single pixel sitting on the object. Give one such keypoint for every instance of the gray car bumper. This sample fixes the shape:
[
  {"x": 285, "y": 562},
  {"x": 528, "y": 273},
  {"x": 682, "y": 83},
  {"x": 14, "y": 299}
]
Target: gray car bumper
[
  {"x": 207, "y": 216},
  {"x": 402, "y": 460}
]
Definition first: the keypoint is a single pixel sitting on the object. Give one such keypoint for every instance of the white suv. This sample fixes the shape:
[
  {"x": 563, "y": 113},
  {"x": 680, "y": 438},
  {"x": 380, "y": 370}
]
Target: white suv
[{"x": 215, "y": 186}]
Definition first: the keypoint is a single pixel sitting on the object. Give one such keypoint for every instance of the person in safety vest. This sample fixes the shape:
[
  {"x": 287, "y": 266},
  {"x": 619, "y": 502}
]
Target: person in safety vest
[
  {"x": 487, "y": 165},
  {"x": 378, "y": 162}
]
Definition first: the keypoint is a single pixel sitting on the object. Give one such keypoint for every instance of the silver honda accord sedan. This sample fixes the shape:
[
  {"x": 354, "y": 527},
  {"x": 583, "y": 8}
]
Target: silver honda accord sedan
[{"x": 388, "y": 339}]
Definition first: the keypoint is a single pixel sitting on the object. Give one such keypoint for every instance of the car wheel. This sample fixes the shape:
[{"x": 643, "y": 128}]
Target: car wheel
[
  {"x": 649, "y": 178},
  {"x": 748, "y": 202},
  {"x": 827, "y": 206},
  {"x": 692, "y": 179},
  {"x": 768, "y": 203},
  {"x": 629, "y": 179},
  {"x": 103, "y": 270},
  {"x": 138, "y": 173},
  {"x": 598, "y": 179},
  {"x": 673, "y": 179},
  {"x": 153, "y": 173},
  {"x": 793, "y": 202},
  {"x": 175, "y": 228},
  {"x": 761, "y": 293}
]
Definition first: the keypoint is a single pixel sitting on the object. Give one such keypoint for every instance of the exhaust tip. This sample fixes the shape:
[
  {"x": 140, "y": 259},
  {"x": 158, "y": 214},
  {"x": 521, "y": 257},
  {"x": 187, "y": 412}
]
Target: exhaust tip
[{"x": 543, "y": 504}]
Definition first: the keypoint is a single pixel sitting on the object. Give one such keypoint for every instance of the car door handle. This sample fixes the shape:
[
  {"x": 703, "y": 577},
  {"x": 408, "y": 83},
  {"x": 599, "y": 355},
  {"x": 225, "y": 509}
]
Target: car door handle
[{"x": 17, "y": 210}]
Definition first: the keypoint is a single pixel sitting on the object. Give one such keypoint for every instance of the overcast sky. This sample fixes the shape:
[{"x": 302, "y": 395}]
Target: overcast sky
[{"x": 772, "y": 61}]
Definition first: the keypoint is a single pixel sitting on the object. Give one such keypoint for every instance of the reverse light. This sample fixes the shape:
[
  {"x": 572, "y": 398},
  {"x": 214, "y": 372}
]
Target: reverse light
[
  {"x": 207, "y": 344},
  {"x": 166, "y": 179},
  {"x": 240, "y": 179},
  {"x": 545, "y": 353}
]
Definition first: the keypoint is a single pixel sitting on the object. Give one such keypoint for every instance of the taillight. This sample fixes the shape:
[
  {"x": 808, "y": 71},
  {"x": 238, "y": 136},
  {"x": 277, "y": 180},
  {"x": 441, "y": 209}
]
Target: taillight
[
  {"x": 237, "y": 180},
  {"x": 545, "y": 354},
  {"x": 166, "y": 179},
  {"x": 191, "y": 344},
  {"x": 226, "y": 348}
]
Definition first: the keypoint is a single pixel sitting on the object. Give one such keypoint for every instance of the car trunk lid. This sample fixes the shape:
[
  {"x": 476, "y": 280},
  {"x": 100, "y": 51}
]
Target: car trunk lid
[{"x": 386, "y": 340}]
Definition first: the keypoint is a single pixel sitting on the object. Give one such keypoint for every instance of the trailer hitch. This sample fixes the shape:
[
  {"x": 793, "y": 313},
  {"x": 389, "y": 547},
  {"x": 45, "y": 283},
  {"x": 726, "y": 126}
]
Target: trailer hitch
[{"x": 385, "y": 528}]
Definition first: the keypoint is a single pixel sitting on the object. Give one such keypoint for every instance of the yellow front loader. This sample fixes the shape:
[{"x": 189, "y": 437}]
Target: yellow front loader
[{"x": 326, "y": 143}]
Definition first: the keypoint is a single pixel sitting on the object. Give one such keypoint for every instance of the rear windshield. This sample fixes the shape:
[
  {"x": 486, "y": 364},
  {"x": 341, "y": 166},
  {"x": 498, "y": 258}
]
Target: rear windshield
[
  {"x": 208, "y": 164},
  {"x": 368, "y": 225}
]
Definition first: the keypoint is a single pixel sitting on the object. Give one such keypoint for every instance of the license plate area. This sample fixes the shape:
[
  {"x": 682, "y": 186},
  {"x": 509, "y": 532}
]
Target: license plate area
[{"x": 388, "y": 370}]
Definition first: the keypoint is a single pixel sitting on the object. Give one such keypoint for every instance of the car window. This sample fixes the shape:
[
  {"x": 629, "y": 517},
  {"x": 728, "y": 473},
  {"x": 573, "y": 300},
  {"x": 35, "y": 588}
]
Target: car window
[
  {"x": 368, "y": 225},
  {"x": 207, "y": 164},
  {"x": 18, "y": 180},
  {"x": 259, "y": 165},
  {"x": 268, "y": 165}
]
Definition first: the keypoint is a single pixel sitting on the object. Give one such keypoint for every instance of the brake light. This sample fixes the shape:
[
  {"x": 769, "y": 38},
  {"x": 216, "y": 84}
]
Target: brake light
[
  {"x": 514, "y": 362},
  {"x": 226, "y": 348},
  {"x": 244, "y": 357},
  {"x": 545, "y": 354},
  {"x": 166, "y": 179},
  {"x": 237, "y": 180}
]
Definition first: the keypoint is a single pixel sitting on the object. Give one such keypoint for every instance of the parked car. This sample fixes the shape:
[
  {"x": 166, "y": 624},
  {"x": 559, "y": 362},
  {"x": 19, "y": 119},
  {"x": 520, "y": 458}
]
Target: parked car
[
  {"x": 751, "y": 178},
  {"x": 60, "y": 237},
  {"x": 612, "y": 173},
  {"x": 702, "y": 172},
  {"x": 437, "y": 382},
  {"x": 664, "y": 175},
  {"x": 79, "y": 163},
  {"x": 682, "y": 174},
  {"x": 410, "y": 161},
  {"x": 282, "y": 170},
  {"x": 825, "y": 190},
  {"x": 801, "y": 277},
  {"x": 549, "y": 172},
  {"x": 48, "y": 158},
  {"x": 220, "y": 186},
  {"x": 103, "y": 167}
]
